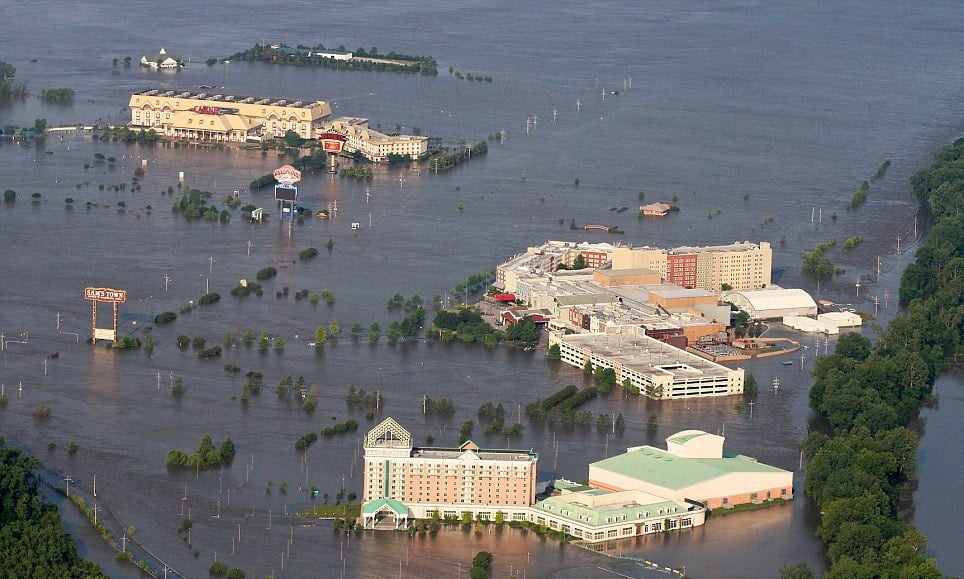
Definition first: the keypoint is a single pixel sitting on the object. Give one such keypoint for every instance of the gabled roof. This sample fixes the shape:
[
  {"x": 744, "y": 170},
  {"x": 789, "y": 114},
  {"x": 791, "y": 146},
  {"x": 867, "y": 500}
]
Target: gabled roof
[
  {"x": 377, "y": 505},
  {"x": 388, "y": 431}
]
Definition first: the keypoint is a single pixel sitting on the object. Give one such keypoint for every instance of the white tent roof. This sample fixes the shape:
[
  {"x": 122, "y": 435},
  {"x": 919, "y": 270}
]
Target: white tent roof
[{"x": 777, "y": 299}]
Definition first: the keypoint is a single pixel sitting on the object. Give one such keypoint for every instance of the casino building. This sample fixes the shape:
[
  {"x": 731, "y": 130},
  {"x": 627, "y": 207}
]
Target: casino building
[
  {"x": 220, "y": 117},
  {"x": 404, "y": 482}
]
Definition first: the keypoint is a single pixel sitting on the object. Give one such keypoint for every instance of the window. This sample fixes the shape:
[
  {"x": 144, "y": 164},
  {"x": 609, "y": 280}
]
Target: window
[
  {"x": 753, "y": 496},
  {"x": 687, "y": 522},
  {"x": 726, "y": 500}
]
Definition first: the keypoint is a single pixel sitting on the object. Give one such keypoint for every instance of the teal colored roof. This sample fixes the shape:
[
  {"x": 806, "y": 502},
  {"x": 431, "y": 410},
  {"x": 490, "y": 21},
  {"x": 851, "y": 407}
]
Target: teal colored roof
[
  {"x": 667, "y": 470},
  {"x": 607, "y": 515},
  {"x": 684, "y": 438},
  {"x": 397, "y": 506}
]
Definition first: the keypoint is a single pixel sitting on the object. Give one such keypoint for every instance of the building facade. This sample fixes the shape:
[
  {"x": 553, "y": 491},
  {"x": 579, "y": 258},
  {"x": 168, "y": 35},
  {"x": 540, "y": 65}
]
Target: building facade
[
  {"x": 225, "y": 117},
  {"x": 740, "y": 266},
  {"x": 654, "y": 368},
  {"x": 374, "y": 145},
  {"x": 597, "y": 515},
  {"x": 693, "y": 467},
  {"x": 449, "y": 481}
]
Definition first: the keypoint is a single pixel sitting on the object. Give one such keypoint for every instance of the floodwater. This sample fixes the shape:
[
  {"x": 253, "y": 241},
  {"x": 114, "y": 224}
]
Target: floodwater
[{"x": 793, "y": 105}]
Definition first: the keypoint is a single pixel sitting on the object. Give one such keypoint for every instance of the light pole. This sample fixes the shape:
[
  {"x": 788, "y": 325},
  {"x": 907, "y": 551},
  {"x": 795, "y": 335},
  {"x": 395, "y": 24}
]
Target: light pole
[{"x": 67, "y": 480}]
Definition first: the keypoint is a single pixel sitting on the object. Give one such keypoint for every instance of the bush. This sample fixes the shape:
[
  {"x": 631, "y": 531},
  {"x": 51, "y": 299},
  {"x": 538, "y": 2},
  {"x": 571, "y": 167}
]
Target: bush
[
  {"x": 209, "y": 298},
  {"x": 41, "y": 411},
  {"x": 218, "y": 569},
  {"x": 235, "y": 573},
  {"x": 307, "y": 253},
  {"x": 183, "y": 341},
  {"x": 165, "y": 318},
  {"x": 211, "y": 352},
  {"x": 266, "y": 273}
]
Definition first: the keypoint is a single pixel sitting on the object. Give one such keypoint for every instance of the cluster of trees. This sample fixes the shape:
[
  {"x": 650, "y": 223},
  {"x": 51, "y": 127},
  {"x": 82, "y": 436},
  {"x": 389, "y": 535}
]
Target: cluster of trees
[
  {"x": 305, "y": 441},
  {"x": 817, "y": 265},
  {"x": 408, "y": 327},
  {"x": 562, "y": 406},
  {"x": 439, "y": 406},
  {"x": 305, "y": 56},
  {"x": 253, "y": 385},
  {"x": 219, "y": 569},
  {"x": 206, "y": 456},
  {"x": 266, "y": 273},
  {"x": 128, "y": 135},
  {"x": 262, "y": 182},
  {"x": 398, "y": 301},
  {"x": 860, "y": 196},
  {"x": 194, "y": 205},
  {"x": 57, "y": 95},
  {"x": 7, "y": 88},
  {"x": 524, "y": 332},
  {"x": 481, "y": 566},
  {"x": 362, "y": 171},
  {"x": 340, "y": 428},
  {"x": 493, "y": 416},
  {"x": 743, "y": 327},
  {"x": 466, "y": 324},
  {"x": 33, "y": 542},
  {"x": 868, "y": 392},
  {"x": 881, "y": 171},
  {"x": 469, "y": 76},
  {"x": 852, "y": 242},
  {"x": 358, "y": 397},
  {"x": 250, "y": 288},
  {"x": 445, "y": 160}
]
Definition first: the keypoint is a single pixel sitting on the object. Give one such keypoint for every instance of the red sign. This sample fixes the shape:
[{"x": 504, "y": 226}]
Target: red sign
[
  {"x": 104, "y": 294},
  {"x": 332, "y": 145},
  {"x": 207, "y": 110}
]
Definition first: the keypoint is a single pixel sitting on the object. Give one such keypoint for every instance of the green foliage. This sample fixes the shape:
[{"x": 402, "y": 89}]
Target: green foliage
[
  {"x": 218, "y": 569},
  {"x": 308, "y": 56},
  {"x": 206, "y": 456},
  {"x": 306, "y": 441},
  {"x": 860, "y": 195},
  {"x": 464, "y": 323},
  {"x": 360, "y": 398},
  {"x": 209, "y": 298},
  {"x": 442, "y": 161},
  {"x": 177, "y": 388},
  {"x": 869, "y": 391},
  {"x": 439, "y": 406},
  {"x": 853, "y": 242},
  {"x": 250, "y": 288},
  {"x": 235, "y": 573},
  {"x": 9, "y": 195},
  {"x": 554, "y": 353},
  {"x": 307, "y": 253},
  {"x": 340, "y": 428},
  {"x": 57, "y": 95},
  {"x": 266, "y": 273},
  {"x": 523, "y": 332},
  {"x": 750, "y": 388},
  {"x": 262, "y": 182}
]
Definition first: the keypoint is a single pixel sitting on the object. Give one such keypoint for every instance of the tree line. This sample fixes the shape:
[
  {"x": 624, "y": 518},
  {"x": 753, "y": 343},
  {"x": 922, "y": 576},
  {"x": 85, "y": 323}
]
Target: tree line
[
  {"x": 861, "y": 472},
  {"x": 33, "y": 542}
]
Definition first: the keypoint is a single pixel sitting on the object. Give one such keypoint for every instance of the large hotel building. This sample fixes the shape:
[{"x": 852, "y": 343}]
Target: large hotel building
[
  {"x": 404, "y": 481},
  {"x": 212, "y": 116},
  {"x": 217, "y": 117}
]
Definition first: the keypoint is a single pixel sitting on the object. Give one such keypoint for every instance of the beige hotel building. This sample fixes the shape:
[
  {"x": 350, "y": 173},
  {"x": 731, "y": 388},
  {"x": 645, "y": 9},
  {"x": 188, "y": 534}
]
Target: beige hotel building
[
  {"x": 404, "y": 482},
  {"x": 214, "y": 116}
]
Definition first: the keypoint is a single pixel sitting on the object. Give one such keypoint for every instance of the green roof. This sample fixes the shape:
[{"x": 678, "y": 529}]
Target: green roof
[
  {"x": 667, "y": 470},
  {"x": 684, "y": 438},
  {"x": 606, "y": 515},
  {"x": 377, "y": 505}
]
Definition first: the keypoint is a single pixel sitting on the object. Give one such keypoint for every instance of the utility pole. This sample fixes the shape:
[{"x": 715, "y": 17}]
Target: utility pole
[
  {"x": 750, "y": 404},
  {"x": 67, "y": 480},
  {"x": 95, "y": 509}
]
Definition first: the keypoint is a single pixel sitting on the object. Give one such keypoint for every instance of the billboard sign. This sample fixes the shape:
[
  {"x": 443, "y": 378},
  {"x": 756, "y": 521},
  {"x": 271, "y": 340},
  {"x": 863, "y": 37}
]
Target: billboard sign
[
  {"x": 287, "y": 175},
  {"x": 332, "y": 142},
  {"x": 104, "y": 294}
]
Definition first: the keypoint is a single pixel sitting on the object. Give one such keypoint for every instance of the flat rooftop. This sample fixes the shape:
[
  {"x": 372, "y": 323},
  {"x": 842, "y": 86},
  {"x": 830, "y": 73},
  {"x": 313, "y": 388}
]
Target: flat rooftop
[
  {"x": 513, "y": 455},
  {"x": 646, "y": 355},
  {"x": 228, "y": 99}
]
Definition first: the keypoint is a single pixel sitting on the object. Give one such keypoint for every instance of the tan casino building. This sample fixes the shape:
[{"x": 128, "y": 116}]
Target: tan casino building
[{"x": 220, "y": 117}]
